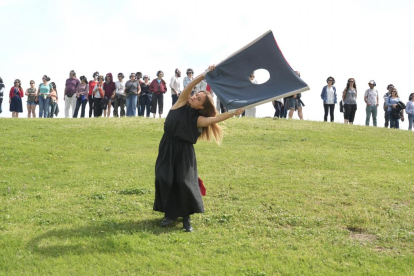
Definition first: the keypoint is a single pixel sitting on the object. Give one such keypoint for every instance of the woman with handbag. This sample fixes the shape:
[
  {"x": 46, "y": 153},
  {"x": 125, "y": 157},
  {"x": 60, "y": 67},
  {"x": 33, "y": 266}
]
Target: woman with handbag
[
  {"x": 349, "y": 97},
  {"x": 393, "y": 112},
  {"x": 177, "y": 188},
  {"x": 82, "y": 93}
]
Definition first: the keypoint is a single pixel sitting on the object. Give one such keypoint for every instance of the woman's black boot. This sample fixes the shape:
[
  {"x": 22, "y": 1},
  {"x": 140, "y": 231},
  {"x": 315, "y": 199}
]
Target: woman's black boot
[{"x": 187, "y": 225}]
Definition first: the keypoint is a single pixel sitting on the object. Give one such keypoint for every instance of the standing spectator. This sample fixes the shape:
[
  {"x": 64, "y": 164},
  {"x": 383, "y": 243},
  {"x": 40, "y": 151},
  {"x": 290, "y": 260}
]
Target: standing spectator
[
  {"x": 15, "y": 99},
  {"x": 175, "y": 86},
  {"x": 2, "y": 88},
  {"x": 328, "y": 96},
  {"x": 119, "y": 96},
  {"x": 349, "y": 97},
  {"x": 92, "y": 85},
  {"x": 109, "y": 89},
  {"x": 278, "y": 105},
  {"x": 132, "y": 88},
  {"x": 139, "y": 77},
  {"x": 299, "y": 104},
  {"x": 393, "y": 109},
  {"x": 189, "y": 78},
  {"x": 54, "y": 110},
  {"x": 98, "y": 94},
  {"x": 409, "y": 108},
  {"x": 31, "y": 94},
  {"x": 81, "y": 97},
  {"x": 158, "y": 87},
  {"x": 251, "y": 112},
  {"x": 70, "y": 89},
  {"x": 145, "y": 97},
  {"x": 390, "y": 87},
  {"x": 371, "y": 98},
  {"x": 44, "y": 97}
]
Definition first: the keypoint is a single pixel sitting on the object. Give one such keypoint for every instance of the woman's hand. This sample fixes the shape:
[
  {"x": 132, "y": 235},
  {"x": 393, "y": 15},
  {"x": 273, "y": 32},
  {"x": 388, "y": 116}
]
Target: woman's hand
[{"x": 211, "y": 68}]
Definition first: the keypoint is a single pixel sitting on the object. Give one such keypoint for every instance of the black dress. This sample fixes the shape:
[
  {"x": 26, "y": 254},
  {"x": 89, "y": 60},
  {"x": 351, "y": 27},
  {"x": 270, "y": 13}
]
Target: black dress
[{"x": 177, "y": 193}]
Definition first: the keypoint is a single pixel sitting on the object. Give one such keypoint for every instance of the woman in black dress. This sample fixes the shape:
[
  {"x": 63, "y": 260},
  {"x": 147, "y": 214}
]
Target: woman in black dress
[{"x": 177, "y": 193}]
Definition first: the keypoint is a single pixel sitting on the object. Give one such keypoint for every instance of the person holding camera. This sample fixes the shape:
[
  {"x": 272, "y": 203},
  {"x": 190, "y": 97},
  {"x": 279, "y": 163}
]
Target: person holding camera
[
  {"x": 70, "y": 90},
  {"x": 132, "y": 89},
  {"x": 371, "y": 98},
  {"x": 119, "y": 96},
  {"x": 394, "y": 113},
  {"x": 98, "y": 95},
  {"x": 92, "y": 85},
  {"x": 158, "y": 87}
]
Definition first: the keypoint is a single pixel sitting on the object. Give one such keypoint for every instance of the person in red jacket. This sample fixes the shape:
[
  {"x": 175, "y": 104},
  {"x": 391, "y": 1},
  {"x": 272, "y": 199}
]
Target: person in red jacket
[
  {"x": 15, "y": 99},
  {"x": 158, "y": 87}
]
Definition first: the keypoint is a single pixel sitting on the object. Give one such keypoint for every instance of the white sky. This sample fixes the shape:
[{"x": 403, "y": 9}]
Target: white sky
[{"x": 360, "y": 39}]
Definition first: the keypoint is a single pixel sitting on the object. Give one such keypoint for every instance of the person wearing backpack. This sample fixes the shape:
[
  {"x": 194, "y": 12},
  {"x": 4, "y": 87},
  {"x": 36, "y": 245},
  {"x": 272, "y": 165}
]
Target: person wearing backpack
[
  {"x": 394, "y": 113},
  {"x": 410, "y": 111},
  {"x": 371, "y": 98},
  {"x": 44, "y": 97}
]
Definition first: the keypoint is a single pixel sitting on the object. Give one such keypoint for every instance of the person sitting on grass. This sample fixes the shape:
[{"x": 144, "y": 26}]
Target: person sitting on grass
[{"x": 177, "y": 192}]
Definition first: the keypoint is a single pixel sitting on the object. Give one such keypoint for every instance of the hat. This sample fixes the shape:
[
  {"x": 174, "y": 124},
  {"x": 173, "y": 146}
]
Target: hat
[{"x": 372, "y": 82}]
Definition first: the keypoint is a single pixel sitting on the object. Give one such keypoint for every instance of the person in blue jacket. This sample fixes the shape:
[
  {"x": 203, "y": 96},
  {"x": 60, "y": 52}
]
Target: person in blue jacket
[{"x": 328, "y": 96}]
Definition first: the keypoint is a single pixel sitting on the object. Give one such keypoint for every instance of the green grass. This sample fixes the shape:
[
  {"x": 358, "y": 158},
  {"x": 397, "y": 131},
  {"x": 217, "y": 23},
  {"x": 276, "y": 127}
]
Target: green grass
[{"x": 283, "y": 198}]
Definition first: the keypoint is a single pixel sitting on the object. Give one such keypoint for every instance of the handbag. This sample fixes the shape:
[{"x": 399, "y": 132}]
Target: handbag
[{"x": 341, "y": 106}]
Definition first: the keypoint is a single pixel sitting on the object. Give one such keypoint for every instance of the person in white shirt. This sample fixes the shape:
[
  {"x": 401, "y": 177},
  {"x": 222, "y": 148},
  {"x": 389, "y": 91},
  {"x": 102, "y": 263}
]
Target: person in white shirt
[
  {"x": 175, "y": 86},
  {"x": 329, "y": 98},
  {"x": 372, "y": 100},
  {"x": 119, "y": 96}
]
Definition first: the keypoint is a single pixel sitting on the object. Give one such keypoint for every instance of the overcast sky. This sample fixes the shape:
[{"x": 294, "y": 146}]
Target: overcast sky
[{"x": 360, "y": 39}]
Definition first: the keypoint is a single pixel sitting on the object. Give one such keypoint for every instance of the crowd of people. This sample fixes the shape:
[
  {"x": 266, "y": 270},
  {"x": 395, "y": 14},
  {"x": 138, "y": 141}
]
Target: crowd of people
[
  {"x": 141, "y": 96},
  {"x": 393, "y": 105}
]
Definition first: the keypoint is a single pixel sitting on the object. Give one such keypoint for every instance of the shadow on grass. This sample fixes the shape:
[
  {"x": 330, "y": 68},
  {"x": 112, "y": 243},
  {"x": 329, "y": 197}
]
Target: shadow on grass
[{"x": 103, "y": 237}]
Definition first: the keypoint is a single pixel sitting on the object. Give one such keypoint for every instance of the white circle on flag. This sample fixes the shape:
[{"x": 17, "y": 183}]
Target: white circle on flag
[{"x": 261, "y": 76}]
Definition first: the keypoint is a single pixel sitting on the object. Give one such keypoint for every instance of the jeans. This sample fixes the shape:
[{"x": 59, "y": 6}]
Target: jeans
[
  {"x": 79, "y": 102},
  {"x": 387, "y": 119},
  {"x": 145, "y": 104},
  {"x": 43, "y": 107},
  {"x": 157, "y": 98},
  {"x": 331, "y": 108},
  {"x": 1, "y": 102},
  {"x": 410, "y": 121},
  {"x": 371, "y": 109},
  {"x": 90, "y": 100},
  {"x": 97, "y": 107},
  {"x": 174, "y": 99},
  {"x": 52, "y": 109},
  {"x": 278, "y": 107},
  {"x": 131, "y": 105},
  {"x": 349, "y": 112},
  {"x": 119, "y": 101},
  {"x": 394, "y": 123}
]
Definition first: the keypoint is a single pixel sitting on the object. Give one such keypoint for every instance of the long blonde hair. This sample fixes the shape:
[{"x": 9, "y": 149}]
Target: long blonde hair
[{"x": 213, "y": 130}]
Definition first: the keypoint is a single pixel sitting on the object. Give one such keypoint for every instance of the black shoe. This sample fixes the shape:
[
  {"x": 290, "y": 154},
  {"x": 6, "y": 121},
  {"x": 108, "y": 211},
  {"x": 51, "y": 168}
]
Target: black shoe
[
  {"x": 187, "y": 225},
  {"x": 167, "y": 221}
]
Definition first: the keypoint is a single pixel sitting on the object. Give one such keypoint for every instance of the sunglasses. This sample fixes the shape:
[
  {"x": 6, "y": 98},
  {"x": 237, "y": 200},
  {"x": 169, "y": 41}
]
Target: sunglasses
[
  {"x": 351, "y": 81},
  {"x": 16, "y": 82},
  {"x": 32, "y": 83},
  {"x": 190, "y": 73},
  {"x": 394, "y": 91},
  {"x": 330, "y": 80}
]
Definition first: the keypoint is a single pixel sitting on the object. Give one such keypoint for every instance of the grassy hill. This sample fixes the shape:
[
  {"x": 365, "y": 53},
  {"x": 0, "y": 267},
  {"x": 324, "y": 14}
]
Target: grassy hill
[{"x": 283, "y": 198}]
